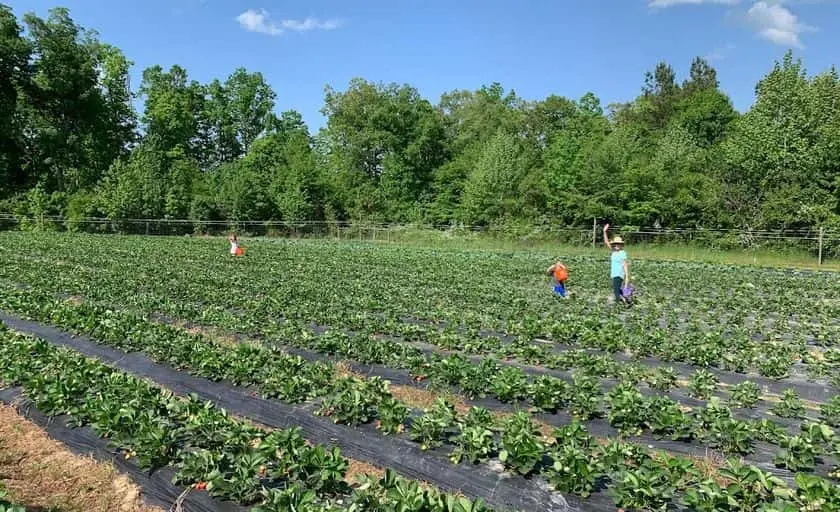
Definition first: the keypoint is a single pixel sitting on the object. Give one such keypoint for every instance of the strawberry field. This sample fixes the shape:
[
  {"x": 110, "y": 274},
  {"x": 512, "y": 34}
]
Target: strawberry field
[{"x": 256, "y": 382}]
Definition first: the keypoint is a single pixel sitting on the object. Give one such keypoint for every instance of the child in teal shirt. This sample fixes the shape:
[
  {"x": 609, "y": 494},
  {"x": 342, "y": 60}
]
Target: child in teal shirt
[{"x": 619, "y": 265}]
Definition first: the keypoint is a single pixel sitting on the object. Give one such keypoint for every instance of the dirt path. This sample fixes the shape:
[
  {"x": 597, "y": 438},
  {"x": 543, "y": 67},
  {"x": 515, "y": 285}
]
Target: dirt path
[{"x": 40, "y": 472}]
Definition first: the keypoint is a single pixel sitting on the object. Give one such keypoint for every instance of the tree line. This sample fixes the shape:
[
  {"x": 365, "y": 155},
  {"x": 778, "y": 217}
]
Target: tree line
[{"x": 679, "y": 154}]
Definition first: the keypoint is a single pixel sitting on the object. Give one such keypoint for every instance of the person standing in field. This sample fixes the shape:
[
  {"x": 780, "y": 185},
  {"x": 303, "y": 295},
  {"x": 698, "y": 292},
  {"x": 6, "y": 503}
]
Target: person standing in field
[
  {"x": 619, "y": 265},
  {"x": 234, "y": 245},
  {"x": 560, "y": 274}
]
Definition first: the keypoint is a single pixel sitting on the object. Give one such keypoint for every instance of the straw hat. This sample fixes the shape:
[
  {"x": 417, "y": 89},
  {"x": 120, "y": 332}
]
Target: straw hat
[{"x": 618, "y": 240}]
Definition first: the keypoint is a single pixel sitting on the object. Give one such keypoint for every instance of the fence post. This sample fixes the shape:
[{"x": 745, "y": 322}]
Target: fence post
[
  {"x": 594, "y": 231},
  {"x": 820, "y": 256}
]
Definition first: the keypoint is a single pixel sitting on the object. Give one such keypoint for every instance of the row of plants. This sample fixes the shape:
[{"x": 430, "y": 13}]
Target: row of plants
[
  {"x": 701, "y": 385},
  {"x": 419, "y": 375},
  {"x": 625, "y": 407},
  {"x": 642, "y": 334},
  {"x": 354, "y": 401},
  {"x": 503, "y": 275},
  {"x": 275, "y": 470}
]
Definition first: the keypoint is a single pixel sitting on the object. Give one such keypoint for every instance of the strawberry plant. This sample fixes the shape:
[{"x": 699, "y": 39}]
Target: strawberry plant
[
  {"x": 662, "y": 379},
  {"x": 730, "y": 436},
  {"x": 816, "y": 494},
  {"x": 509, "y": 385},
  {"x": 748, "y": 486},
  {"x": 197, "y": 465},
  {"x": 521, "y": 448},
  {"x": 775, "y": 367},
  {"x": 789, "y": 406},
  {"x": 477, "y": 378},
  {"x": 797, "y": 454},
  {"x": 392, "y": 415},
  {"x": 744, "y": 394},
  {"x": 626, "y": 409},
  {"x": 428, "y": 429},
  {"x": 574, "y": 434},
  {"x": 708, "y": 496},
  {"x": 616, "y": 455},
  {"x": 291, "y": 499},
  {"x": 573, "y": 470},
  {"x": 703, "y": 384},
  {"x": 392, "y": 492},
  {"x": 681, "y": 471},
  {"x": 478, "y": 417},
  {"x": 817, "y": 433},
  {"x": 665, "y": 419},
  {"x": 476, "y": 443},
  {"x": 320, "y": 469},
  {"x": 241, "y": 481},
  {"x": 548, "y": 393},
  {"x": 830, "y": 411},
  {"x": 644, "y": 488},
  {"x": 355, "y": 401},
  {"x": 584, "y": 398}
]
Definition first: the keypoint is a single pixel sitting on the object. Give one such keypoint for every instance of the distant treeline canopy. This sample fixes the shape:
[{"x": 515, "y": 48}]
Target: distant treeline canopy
[{"x": 71, "y": 143}]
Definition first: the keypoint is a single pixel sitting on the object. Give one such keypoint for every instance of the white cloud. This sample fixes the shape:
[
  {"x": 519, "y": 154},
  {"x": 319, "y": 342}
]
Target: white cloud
[
  {"x": 777, "y": 23},
  {"x": 660, "y": 4},
  {"x": 310, "y": 24},
  {"x": 260, "y": 21},
  {"x": 720, "y": 53}
]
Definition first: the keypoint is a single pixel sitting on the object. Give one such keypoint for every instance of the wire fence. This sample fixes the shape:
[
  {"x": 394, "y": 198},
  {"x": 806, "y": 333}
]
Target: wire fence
[{"x": 820, "y": 242}]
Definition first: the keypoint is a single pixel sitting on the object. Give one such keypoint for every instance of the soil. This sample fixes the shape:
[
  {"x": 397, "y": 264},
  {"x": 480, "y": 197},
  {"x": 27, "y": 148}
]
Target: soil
[{"x": 40, "y": 472}]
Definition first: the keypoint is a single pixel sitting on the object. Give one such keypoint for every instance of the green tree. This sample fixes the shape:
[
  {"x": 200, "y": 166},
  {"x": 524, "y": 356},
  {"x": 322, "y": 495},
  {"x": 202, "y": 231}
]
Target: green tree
[
  {"x": 701, "y": 77},
  {"x": 707, "y": 114},
  {"x": 548, "y": 187},
  {"x": 152, "y": 183},
  {"x": 174, "y": 111},
  {"x": 77, "y": 110},
  {"x": 773, "y": 170},
  {"x": 471, "y": 119},
  {"x": 119, "y": 123},
  {"x": 243, "y": 192},
  {"x": 135, "y": 188},
  {"x": 251, "y": 105},
  {"x": 490, "y": 193},
  {"x": 221, "y": 143},
  {"x": 385, "y": 142},
  {"x": 15, "y": 53}
]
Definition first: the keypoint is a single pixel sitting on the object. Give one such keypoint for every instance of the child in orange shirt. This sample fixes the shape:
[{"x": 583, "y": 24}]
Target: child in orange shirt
[{"x": 560, "y": 274}]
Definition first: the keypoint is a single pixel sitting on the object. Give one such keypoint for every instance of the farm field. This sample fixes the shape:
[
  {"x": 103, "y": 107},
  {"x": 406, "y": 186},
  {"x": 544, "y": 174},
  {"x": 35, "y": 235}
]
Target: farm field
[{"x": 267, "y": 381}]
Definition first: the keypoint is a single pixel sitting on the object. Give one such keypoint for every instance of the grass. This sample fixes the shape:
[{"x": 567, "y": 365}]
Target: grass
[
  {"x": 44, "y": 475},
  {"x": 790, "y": 258}
]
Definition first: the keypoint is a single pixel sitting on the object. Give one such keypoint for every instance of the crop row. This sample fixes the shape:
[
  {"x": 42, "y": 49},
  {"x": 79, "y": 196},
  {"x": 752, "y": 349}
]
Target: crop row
[
  {"x": 276, "y": 470},
  {"x": 456, "y": 284},
  {"x": 642, "y": 334},
  {"x": 627, "y": 409},
  {"x": 358, "y": 401},
  {"x": 458, "y": 296},
  {"x": 701, "y": 385}
]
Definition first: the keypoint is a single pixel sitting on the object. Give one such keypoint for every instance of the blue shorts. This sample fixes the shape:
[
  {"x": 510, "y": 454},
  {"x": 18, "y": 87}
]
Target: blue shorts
[{"x": 560, "y": 289}]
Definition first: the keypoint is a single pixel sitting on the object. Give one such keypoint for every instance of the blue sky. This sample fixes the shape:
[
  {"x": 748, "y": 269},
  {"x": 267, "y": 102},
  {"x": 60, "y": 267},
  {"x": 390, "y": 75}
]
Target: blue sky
[{"x": 536, "y": 47}]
